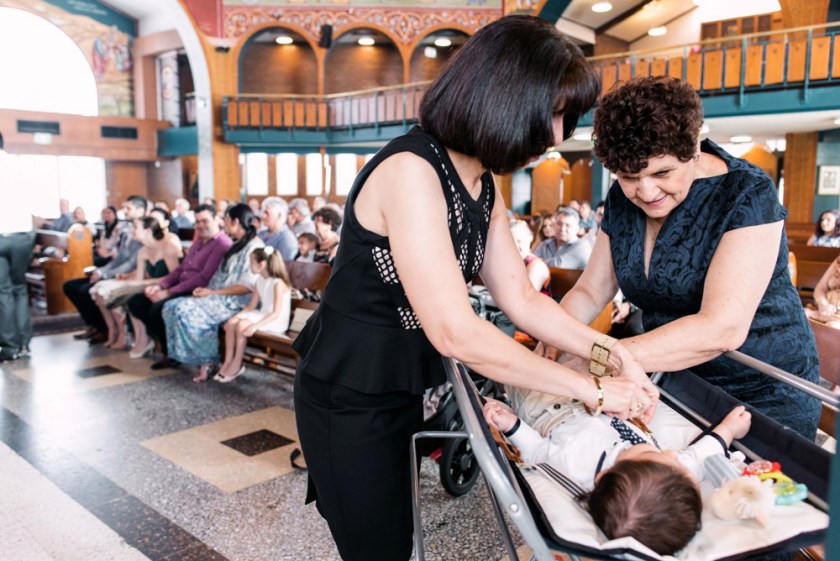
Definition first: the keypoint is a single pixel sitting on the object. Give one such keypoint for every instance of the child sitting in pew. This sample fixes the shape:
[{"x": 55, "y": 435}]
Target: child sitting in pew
[
  {"x": 273, "y": 293},
  {"x": 637, "y": 489}
]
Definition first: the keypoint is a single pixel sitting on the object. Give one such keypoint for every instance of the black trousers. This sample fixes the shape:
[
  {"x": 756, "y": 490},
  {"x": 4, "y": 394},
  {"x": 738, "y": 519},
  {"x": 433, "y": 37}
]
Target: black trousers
[
  {"x": 151, "y": 314},
  {"x": 78, "y": 292},
  {"x": 15, "y": 320},
  {"x": 357, "y": 447}
]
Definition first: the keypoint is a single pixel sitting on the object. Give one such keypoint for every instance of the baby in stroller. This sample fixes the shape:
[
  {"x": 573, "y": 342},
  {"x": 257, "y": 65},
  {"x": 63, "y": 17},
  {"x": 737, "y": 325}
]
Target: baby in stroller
[{"x": 637, "y": 489}]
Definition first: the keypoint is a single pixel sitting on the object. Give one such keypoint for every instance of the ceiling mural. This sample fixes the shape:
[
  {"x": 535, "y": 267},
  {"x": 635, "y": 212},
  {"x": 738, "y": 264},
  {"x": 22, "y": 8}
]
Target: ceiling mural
[{"x": 404, "y": 24}]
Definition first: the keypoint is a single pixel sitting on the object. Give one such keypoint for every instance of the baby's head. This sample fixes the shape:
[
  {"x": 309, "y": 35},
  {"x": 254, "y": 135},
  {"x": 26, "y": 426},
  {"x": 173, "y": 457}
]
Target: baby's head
[
  {"x": 656, "y": 502},
  {"x": 307, "y": 242}
]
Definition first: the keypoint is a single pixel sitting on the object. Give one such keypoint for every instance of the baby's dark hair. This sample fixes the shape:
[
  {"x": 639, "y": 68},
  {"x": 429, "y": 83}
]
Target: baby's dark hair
[
  {"x": 655, "y": 503},
  {"x": 276, "y": 267}
]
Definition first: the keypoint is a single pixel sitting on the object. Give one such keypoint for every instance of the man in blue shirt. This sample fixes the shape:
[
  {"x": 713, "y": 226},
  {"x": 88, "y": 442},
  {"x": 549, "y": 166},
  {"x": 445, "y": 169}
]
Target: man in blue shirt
[
  {"x": 565, "y": 250},
  {"x": 278, "y": 235}
]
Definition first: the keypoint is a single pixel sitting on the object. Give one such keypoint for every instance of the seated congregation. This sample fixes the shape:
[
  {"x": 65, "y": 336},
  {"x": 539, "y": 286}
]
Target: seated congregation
[{"x": 199, "y": 301}]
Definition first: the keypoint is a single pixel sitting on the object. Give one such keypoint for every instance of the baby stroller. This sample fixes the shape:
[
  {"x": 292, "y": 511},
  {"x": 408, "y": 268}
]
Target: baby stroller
[
  {"x": 549, "y": 519},
  {"x": 459, "y": 469}
]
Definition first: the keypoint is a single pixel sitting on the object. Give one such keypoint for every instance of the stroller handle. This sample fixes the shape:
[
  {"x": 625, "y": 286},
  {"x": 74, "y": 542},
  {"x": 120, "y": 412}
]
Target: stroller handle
[{"x": 826, "y": 396}]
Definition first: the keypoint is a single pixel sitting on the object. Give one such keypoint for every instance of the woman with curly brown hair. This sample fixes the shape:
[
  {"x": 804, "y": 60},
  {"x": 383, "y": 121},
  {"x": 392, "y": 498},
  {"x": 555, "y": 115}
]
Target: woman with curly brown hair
[{"x": 695, "y": 238}]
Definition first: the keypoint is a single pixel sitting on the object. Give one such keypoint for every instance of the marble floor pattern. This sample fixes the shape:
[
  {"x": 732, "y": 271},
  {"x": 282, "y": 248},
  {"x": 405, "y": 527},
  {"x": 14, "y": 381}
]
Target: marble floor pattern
[{"x": 102, "y": 458}]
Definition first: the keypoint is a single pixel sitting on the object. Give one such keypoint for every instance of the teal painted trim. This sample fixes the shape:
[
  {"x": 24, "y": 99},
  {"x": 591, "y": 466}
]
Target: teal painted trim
[
  {"x": 100, "y": 12},
  {"x": 762, "y": 102},
  {"x": 766, "y": 102},
  {"x": 256, "y": 140},
  {"x": 552, "y": 10},
  {"x": 182, "y": 141},
  {"x": 834, "y": 15},
  {"x": 600, "y": 183},
  {"x": 303, "y": 150}
]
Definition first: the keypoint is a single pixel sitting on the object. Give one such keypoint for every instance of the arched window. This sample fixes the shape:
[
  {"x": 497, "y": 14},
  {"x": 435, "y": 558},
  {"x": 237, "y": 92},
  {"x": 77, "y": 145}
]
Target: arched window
[{"x": 44, "y": 70}]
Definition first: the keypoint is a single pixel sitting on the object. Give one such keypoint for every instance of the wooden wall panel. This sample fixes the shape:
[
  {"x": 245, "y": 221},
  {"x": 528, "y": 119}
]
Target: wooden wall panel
[
  {"x": 547, "y": 185},
  {"x": 124, "y": 179},
  {"x": 752, "y": 70},
  {"x": 609, "y": 76},
  {"x": 372, "y": 67},
  {"x": 81, "y": 136},
  {"x": 712, "y": 69},
  {"x": 820, "y": 49},
  {"x": 774, "y": 63},
  {"x": 732, "y": 68},
  {"x": 580, "y": 181},
  {"x": 796, "y": 60},
  {"x": 269, "y": 68},
  {"x": 766, "y": 160},
  {"x": 623, "y": 72},
  {"x": 145, "y": 50},
  {"x": 165, "y": 183},
  {"x": 800, "y": 175},
  {"x": 835, "y": 64},
  {"x": 798, "y": 13},
  {"x": 657, "y": 67},
  {"x": 642, "y": 68},
  {"x": 223, "y": 76},
  {"x": 694, "y": 69},
  {"x": 675, "y": 67}
]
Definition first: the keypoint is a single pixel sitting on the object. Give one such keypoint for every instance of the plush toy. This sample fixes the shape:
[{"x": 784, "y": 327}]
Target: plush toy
[{"x": 743, "y": 498}]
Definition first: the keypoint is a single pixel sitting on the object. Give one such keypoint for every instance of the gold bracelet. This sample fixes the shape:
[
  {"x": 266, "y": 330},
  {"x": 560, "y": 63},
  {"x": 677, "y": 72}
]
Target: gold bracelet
[
  {"x": 600, "y": 398},
  {"x": 599, "y": 358}
]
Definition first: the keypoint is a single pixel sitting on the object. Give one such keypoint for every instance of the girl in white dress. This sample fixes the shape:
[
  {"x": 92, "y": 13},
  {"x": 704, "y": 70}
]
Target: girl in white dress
[{"x": 273, "y": 293}]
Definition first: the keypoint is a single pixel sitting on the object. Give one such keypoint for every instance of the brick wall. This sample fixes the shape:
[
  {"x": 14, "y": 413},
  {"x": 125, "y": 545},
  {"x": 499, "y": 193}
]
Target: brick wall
[{"x": 269, "y": 68}]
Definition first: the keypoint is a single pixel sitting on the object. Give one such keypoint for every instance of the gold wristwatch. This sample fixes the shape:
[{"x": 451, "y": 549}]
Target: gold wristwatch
[{"x": 599, "y": 358}]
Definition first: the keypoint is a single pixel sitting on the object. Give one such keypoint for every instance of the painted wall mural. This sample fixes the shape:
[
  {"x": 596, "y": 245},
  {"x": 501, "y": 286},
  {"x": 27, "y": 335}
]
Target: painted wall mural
[
  {"x": 436, "y": 4},
  {"x": 405, "y": 25},
  {"x": 104, "y": 37}
]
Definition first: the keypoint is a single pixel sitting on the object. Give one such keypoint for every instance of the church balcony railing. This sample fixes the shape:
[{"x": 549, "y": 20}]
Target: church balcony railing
[{"x": 783, "y": 70}]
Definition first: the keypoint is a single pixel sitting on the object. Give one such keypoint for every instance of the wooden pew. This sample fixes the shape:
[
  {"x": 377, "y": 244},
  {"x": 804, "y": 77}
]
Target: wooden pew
[
  {"x": 310, "y": 276},
  {"x": 275, "y": 352},
  {"x": 45, "y": 280},
  {"x": 811, "y": 263},
  {"x": 562, "y": 281},
  {"x": 828, "y": 350}
]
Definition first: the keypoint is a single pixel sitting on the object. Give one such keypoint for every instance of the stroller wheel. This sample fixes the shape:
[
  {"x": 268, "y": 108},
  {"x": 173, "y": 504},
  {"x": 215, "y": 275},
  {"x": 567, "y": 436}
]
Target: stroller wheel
[{"x": 458, "y": 467}]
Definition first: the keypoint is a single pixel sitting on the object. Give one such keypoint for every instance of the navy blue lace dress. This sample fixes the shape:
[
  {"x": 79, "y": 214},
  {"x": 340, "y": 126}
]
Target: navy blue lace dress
[{"x": 779, "y": 333}]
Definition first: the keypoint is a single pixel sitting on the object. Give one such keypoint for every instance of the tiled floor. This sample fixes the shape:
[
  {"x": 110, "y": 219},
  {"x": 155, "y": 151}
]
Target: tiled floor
[{"x": 102, "y": 458}]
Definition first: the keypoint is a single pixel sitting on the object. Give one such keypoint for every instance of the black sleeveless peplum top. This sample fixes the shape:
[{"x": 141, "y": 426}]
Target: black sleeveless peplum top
[{"x": 364, "y": 334}]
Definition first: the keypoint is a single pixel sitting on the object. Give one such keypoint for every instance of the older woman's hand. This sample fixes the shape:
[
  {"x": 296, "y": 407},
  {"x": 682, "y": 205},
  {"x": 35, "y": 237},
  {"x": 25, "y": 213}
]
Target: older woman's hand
[
  {"x": 623, "y": 397},
  {"x": 631, "y": 368}
]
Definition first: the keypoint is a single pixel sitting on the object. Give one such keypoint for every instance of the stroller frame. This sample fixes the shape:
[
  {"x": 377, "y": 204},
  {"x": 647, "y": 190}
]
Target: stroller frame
[{"x": 508, "y": 498}]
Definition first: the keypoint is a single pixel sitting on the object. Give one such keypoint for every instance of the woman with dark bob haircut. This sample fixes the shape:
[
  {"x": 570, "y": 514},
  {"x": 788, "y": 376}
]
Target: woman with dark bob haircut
[
  {"x": 695, "y": 238},
  {"x": 422, "y": 219}
]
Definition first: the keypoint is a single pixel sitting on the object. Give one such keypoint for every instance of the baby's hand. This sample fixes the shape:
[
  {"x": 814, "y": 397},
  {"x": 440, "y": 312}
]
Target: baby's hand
[
  {"x": 499, "y": 415},
  {"x": 738, "y": 421}
]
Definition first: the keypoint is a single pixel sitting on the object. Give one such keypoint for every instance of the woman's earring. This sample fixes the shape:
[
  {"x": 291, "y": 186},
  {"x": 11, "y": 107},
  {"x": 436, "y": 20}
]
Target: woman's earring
[{"x": 697, "y": 157}]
